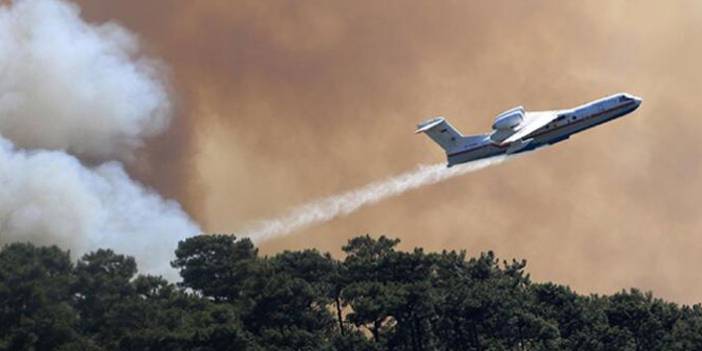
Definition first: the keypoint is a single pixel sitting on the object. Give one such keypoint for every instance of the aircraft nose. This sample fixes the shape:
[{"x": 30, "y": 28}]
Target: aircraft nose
[
  {"x": 637, "y": 102},
  {"x": 633, "y": 97}
]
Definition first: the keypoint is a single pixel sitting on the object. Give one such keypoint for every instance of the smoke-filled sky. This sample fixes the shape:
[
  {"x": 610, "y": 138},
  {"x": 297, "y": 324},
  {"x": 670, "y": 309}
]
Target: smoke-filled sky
[{"x": 280, "y": 102}]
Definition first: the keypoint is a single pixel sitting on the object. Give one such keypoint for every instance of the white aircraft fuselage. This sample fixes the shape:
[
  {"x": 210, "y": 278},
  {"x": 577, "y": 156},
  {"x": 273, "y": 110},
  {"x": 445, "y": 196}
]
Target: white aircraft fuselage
[{"x": 517, "y": 131}]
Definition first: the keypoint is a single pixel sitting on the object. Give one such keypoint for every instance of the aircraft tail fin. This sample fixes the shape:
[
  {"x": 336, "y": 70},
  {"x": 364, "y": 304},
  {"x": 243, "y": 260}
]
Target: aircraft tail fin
[{"x": 442, "y": 132}]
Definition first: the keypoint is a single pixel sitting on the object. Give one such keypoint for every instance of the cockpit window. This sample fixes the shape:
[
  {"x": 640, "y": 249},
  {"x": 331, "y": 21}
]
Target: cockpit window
[{"x": 622, "y": 98}]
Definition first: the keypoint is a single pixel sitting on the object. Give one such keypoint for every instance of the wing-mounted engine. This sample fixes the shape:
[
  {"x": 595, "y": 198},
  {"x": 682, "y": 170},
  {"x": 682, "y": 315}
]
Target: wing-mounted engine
[
  {"x": 507, "y": 123},
  {"x": 509, "y": 119}
]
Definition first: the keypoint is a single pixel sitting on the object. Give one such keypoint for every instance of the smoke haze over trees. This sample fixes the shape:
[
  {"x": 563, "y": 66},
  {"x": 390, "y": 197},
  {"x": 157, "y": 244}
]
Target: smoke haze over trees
[
  {"x": 376, "y": 298},
  {"x": 281, "y": 102}
]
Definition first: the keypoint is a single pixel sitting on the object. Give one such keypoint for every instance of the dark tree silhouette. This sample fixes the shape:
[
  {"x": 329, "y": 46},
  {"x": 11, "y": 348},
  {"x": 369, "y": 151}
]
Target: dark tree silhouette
[{"x": 375, "y": 298}]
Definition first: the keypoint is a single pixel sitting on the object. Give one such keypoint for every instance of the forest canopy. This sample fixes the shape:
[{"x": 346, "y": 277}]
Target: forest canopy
[{"x": 374, "y": 298}]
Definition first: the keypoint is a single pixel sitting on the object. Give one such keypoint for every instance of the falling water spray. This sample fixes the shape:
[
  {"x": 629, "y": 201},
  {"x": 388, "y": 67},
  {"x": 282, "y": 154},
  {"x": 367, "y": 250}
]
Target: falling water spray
[{"x": 326, "y": 209}]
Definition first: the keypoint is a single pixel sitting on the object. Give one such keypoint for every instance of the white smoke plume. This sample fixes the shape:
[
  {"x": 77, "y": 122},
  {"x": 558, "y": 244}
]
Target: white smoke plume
[
  {"x": 66, "y": 84},
  {"x": 325, "y": 209},
  {"x": 49, "y": 197},
  {"x": 71, "y": 91}
]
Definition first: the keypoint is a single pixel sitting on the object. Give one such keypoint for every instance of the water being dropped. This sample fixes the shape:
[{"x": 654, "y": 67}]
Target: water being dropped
[{"x": 325, "y": 209}]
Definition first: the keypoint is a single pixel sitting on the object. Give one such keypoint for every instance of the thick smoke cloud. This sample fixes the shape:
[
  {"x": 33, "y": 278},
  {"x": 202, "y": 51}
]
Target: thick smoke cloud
[
  {"x": 49, "y": 197},
  {"x": 285, "y": 102},
  {"x": 70, "y": 93},
  {"x": 69, "y": 85}
]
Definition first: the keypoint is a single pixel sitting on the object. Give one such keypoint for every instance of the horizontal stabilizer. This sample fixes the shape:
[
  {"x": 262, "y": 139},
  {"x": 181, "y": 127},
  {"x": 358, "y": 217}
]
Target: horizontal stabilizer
[{"x": 429, "y": 124}]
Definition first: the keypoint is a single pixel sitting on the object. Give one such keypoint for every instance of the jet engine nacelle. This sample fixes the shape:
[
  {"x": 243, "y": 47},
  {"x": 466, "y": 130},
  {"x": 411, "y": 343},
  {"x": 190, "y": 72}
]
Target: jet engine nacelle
[{"x": 509, "y": 119}]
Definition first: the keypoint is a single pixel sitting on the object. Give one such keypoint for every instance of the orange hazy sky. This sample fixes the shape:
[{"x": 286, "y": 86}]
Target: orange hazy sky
[{"x": 281, "y": 102}]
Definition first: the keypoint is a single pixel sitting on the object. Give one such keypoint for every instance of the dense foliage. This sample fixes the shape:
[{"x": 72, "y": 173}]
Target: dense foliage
[{"x": 376, "y": 298}]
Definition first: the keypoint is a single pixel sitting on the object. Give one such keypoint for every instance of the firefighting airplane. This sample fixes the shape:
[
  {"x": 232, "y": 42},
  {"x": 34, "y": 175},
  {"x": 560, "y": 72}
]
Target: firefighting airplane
[{"x": 517, "y": 130}]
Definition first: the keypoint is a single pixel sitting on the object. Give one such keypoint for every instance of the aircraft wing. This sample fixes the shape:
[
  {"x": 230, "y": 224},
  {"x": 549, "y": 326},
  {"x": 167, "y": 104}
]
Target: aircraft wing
[{"x": 533, "y": 121}]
